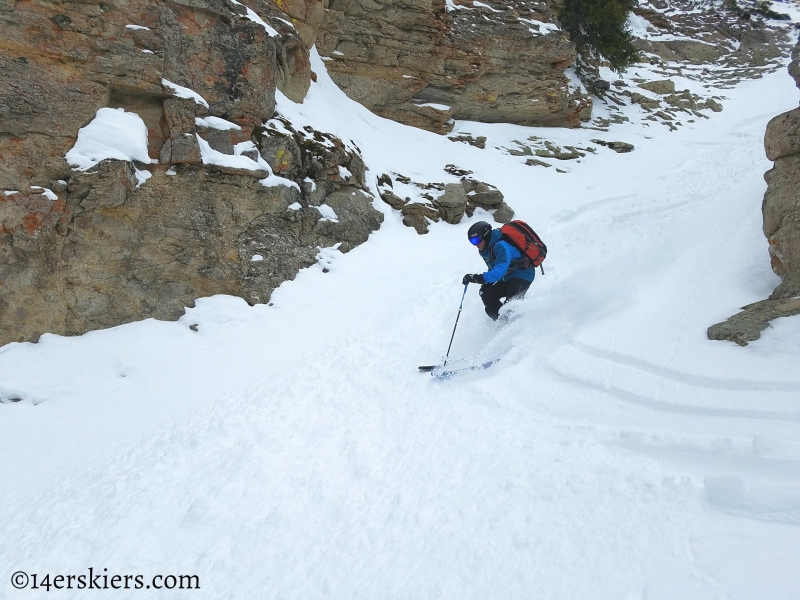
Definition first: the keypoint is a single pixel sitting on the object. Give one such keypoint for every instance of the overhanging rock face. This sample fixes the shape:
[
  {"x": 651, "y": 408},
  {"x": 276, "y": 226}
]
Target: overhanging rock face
[{"x": 425, "y": 62}]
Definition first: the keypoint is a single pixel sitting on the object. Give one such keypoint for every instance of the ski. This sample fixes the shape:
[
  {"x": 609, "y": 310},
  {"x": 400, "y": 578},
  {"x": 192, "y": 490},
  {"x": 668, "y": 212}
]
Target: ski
[
  {"x": 442, "y": 373},
  {"x": 452, "y": 362}
]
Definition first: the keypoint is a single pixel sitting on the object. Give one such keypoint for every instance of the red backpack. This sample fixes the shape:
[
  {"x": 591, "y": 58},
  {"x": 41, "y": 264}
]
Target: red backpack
[{"x": 523, "y": 238}]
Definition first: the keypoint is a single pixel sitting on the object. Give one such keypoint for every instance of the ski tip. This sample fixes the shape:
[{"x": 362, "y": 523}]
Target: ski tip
[{"x": 428, "y": 368}]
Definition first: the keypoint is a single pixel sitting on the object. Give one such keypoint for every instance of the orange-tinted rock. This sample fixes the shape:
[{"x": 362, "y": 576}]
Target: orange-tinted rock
[
  {"x": 115, "y": 246},
  {"x": 420, "y": 64}
]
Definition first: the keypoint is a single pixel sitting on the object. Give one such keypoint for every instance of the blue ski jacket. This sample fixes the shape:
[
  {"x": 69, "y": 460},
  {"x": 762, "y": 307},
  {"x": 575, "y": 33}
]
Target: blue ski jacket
[{"x": 504, "y": 261}]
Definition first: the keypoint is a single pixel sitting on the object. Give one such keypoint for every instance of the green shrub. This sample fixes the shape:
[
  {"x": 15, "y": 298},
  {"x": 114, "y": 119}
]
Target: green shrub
[
  {"x": 602, "y": 27},
  {"x": 764, "y": 7}
]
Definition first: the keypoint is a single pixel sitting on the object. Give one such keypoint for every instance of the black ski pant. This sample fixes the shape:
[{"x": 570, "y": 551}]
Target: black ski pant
[{"x": 513, "y": 289}]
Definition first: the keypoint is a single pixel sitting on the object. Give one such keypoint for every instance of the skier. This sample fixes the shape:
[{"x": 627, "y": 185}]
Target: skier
[{"x": 510, "y": 272}]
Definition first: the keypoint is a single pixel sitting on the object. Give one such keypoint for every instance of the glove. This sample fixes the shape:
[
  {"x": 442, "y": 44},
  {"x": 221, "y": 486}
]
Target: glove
[{"x": 472, "y": 279}]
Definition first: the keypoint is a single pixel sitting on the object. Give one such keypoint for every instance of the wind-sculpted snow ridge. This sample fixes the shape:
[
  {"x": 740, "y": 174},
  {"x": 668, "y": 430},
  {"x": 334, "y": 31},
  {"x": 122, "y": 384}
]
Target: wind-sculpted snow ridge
[{"x": 292, "y": 450}]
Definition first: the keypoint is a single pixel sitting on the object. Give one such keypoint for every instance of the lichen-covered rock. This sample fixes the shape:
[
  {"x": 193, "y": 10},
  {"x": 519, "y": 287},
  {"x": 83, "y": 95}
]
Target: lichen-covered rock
[
  {"x": 426, "y": 62},
  {"x": 321, "y": 160}
]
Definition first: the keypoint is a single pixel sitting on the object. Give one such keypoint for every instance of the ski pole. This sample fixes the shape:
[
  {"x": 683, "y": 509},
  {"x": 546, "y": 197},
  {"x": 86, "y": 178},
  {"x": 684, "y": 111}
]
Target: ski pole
[{"x": 460, "y": 306}]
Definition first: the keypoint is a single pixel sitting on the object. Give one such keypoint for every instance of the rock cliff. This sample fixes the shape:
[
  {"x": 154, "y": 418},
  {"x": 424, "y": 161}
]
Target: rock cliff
[
  {"x": 426, "y": 62},
  {"x": 781, "y": 212},
  {"x": 197, "y": 211}
]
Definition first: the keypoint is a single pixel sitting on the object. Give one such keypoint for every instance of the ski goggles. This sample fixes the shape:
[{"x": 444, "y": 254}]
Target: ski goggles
[{"x": 475, "y": 240}]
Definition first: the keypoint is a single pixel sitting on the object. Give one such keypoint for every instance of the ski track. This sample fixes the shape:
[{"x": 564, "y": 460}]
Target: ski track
[{"x": 293, "y": 451}]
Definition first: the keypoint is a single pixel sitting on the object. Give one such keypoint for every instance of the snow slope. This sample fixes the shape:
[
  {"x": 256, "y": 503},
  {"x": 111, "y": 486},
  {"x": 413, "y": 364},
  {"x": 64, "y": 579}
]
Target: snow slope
[{"x": 293, "y": 451}]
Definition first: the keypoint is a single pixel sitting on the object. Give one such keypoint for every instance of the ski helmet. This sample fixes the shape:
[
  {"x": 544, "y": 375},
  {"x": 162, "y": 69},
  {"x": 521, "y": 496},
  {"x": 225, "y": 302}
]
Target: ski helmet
[{"x": 479, "y": 232}]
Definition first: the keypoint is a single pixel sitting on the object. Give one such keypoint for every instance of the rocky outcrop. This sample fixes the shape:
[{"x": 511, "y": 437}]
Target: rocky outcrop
[
  {"x": 151, "y": 250},
  {"x": 294, "y": 73},
  {"x": 421, "y": 204},
  {"x": 426, "y": 62},
  {"x": 794, "y": 66},
  {"x": 125, "y": 240},
  {"x": 781, "y": 212},
  {"x": 321, "y": 162},
  {"x": 62, "y": 62},
  {"x": 707, "y": 34},
  {"x": 682, "y": 39}
]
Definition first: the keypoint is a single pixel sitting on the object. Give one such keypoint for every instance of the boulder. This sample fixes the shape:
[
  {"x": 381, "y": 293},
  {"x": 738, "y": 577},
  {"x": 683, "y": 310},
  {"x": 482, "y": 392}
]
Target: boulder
[
  {"x": 396, "y": 202},
  {"x": 356, "y": 218},
  {"x": 504, "y": 213},
  {"x": 644, "y": 101},
  {"x": 419, "y": 216},
  {"x": 660, "y": 86},
  {"x": 620, "y": 147},
  {"x": 452, "y": 203},
  {"x": 179, "y": 114},
  {"x": 482, "y": 194},
  {"x": 782, "y": 137},
  {"x": 478, "y": 142},
  {"x": 455, "y": 200},
  {"x": 683, "y": 100}
]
